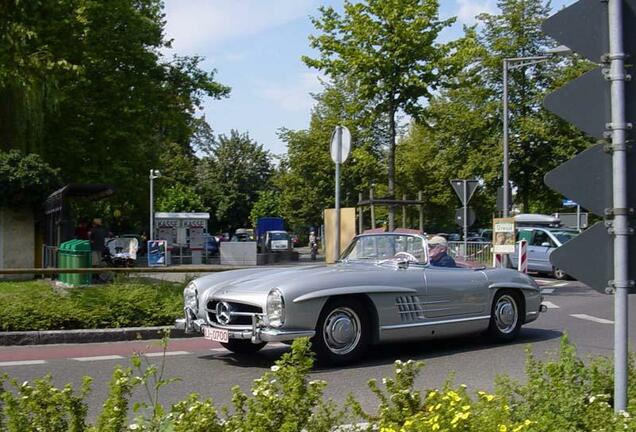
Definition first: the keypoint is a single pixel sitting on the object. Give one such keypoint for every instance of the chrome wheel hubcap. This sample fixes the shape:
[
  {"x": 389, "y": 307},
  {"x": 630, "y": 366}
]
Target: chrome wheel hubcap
[
  {"x": 342, "y": 330},
  {"x": 506, "y": 314}
]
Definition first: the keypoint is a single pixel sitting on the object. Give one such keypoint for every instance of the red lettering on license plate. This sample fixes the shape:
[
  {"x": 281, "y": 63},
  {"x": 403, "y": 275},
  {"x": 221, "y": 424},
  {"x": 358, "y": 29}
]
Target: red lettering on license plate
[{"x": 217, "y": 335}]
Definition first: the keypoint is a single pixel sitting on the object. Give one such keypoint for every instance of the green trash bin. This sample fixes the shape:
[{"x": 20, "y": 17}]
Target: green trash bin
[
  {"x": 62, "y": 259},
  {"x": 79, "y": 256}
]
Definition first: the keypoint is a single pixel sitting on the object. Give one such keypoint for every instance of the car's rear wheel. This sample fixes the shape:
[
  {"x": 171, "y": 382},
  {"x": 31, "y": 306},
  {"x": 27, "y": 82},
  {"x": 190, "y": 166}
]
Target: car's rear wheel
[
  {"x": 342, "y": 333},
  {"x": 506, "y": 316},
  {"x": 242, "y": 346}
]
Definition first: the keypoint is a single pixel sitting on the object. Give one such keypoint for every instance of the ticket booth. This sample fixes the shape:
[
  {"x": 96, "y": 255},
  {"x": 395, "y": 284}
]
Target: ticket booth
[{"x": 184, "y": 233}]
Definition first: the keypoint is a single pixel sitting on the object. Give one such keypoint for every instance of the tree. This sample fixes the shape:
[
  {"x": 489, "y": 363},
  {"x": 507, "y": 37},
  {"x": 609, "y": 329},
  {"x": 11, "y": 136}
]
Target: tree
[
  {"x": 388, "y": 49},
  {"x": 232, "y": 177},
  {"x": 83, "y": 83},
  {"x": 180, "y": 198},
  {"x": 306, "y": 177},
  {"x": 25, "y": 179}
]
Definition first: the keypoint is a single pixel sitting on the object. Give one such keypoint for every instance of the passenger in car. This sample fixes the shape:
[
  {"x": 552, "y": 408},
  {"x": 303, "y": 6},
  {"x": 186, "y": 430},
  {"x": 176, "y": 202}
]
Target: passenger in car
[{"x": 438, "y": 257}]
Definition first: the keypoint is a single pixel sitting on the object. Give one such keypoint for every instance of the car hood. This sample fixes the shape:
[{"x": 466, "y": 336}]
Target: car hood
[{"x": 252, "y": 285}]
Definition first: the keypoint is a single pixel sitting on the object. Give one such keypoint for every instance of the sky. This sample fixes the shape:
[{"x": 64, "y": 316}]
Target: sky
[{"x": 255, "y": 46}]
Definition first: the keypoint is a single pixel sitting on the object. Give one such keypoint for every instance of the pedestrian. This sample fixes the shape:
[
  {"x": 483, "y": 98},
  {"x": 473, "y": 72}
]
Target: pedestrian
[
  {"x": 437, "y": 255},
  {"x": 97, "y": 237},
  {"x": 81, "y": 230}
]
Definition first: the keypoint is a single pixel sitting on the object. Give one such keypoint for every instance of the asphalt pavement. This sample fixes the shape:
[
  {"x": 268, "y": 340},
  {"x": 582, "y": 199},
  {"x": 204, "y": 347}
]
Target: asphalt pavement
[{"x": 206, "y": 368}]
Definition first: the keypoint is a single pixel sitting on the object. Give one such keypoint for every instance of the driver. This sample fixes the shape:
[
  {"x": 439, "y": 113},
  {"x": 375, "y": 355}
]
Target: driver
[{"x": 437, "y": 247}]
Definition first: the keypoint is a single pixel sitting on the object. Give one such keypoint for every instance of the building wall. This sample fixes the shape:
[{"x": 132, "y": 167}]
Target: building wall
[{"x": 17, "y": 241}]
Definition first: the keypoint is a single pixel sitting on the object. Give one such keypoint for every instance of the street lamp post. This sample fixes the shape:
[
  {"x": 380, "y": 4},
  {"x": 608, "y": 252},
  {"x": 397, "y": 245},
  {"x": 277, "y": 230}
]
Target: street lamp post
[
  {"x": 153, "y": 175},
  {"x": 509, "y": 64}
]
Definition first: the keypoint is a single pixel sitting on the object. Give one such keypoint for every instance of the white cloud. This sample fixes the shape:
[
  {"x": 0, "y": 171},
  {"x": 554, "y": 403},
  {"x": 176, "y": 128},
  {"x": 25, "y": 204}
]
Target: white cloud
[
  {"x": 196, "y": 24},
  {"x": 468, "y": 9},
  {"x": 296, "y": 96}
]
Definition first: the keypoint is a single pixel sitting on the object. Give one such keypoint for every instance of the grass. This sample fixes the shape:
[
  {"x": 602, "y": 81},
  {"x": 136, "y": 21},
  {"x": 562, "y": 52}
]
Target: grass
[{"x": 36, "y": 305}]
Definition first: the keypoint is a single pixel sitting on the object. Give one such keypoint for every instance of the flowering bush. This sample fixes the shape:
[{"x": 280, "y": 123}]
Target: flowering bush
[{"x": 560, "y": 394}]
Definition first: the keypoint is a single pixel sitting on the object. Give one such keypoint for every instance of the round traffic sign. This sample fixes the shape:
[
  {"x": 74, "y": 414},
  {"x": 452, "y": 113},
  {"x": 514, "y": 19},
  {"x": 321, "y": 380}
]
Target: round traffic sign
[{"x": 345, "y": 144}]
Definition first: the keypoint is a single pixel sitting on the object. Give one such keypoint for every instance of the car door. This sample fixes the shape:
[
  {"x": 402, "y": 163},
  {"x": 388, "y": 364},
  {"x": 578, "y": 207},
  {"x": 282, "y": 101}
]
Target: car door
[
  {"x": 539, "y": 249},
  {"x": 454, "y": 292}
]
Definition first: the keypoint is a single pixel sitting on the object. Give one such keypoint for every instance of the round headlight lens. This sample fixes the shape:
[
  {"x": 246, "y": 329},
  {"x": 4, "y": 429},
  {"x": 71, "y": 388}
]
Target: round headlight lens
[
  {"x": 275, "y": 308},
  {"x": 190, "y": 297}
]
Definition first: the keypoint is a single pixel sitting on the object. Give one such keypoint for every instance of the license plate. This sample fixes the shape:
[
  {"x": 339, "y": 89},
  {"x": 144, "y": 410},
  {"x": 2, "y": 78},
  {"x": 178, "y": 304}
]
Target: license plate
[{"x": 217, "y": 335}]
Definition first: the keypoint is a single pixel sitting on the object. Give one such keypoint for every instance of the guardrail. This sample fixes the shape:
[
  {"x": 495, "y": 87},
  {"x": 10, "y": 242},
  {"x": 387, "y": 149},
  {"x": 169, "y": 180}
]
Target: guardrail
[
  {"x": 124, "y": 270},
  {"x": 479, "y": 253}
]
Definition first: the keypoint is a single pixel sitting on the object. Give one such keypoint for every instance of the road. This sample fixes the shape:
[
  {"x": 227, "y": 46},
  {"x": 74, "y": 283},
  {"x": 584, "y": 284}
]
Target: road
[{"x": 206, "y": 368}]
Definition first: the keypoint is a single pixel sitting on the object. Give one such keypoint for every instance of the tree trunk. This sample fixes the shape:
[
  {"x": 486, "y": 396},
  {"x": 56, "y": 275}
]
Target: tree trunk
[{"x": 391, "y": 168}]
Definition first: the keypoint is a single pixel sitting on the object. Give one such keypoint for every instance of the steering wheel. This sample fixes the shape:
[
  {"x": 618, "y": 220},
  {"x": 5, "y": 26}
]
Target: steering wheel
[{"x": 410, "y": 257}]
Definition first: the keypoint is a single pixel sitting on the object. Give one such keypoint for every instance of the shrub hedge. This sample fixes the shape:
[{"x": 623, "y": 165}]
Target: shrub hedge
[
  {"x": 560, "y": 394},
  {"x": 36, "y": 305}
]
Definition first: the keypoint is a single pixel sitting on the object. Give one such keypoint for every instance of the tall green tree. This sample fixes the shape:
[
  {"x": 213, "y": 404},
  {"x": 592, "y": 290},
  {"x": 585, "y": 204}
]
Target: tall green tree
[
  {"x": 231, "y": 178},
  {"x": 389, "y": 49},
  {"x": 306, "y": 177},
  {"x": 83, "y": 83}
]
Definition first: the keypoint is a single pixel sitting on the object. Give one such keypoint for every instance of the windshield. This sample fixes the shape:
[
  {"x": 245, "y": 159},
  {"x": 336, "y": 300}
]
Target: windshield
[
  {"x": 565, "y": 236},
  {"x": 279, "y": 236},
  {"x": 379, "y": 247}
]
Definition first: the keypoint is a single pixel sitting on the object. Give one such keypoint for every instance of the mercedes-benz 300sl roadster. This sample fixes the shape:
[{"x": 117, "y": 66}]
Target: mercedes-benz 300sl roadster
[{"x": 383, "y": 289}]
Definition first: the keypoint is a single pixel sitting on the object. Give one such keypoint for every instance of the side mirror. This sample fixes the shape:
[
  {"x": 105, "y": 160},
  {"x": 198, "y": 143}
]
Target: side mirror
[
  {"x": 546, "y": 244},
  {"x": 403, "y": 264}
]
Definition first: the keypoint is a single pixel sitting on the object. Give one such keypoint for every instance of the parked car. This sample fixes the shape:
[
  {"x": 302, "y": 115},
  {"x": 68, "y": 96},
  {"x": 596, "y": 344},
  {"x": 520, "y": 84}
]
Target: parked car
[
  {"x": 211, "y": 244},
  {"x": 542, "y": 241},
  {"x": 383, "y": 289}
]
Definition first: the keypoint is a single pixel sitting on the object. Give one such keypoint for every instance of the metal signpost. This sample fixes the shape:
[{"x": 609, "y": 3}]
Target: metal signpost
[
  {"x": 340, "y": 148},
  {"x": 154, "y": 174},
  {"x": 601, "y": 103},
  {"x": 465, "y": 216}
]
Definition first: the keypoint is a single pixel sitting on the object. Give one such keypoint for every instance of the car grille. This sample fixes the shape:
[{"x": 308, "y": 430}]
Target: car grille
[
  {"x": 240, "y": 314},
  {"x": 410, "y": 308}
]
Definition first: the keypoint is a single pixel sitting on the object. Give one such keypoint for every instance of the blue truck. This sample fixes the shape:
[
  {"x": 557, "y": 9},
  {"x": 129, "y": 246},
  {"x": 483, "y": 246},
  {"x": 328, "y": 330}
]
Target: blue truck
[{"x": 271, "y": 234}]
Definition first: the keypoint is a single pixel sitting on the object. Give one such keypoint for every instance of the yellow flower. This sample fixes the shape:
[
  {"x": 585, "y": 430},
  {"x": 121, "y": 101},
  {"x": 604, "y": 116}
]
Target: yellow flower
[
  {"x": 503, "y": 428},
  {"x": 387, "y": 429}
]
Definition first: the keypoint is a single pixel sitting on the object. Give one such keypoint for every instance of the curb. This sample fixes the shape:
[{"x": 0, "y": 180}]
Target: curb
[{"x": 46, "y": 337}]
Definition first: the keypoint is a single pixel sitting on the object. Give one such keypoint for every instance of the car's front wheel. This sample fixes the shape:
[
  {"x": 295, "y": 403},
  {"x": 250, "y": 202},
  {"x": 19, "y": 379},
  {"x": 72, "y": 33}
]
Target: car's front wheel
[
  {"x": 342, "y": 333},
  {"x": 506, "y": 316},
  {"x": 559, "y": 274},
  {"x": 242, "y": 346}
]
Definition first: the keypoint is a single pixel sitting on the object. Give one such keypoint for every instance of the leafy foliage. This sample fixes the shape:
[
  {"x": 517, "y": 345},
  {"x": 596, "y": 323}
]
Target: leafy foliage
[
  {"x": 87, "y": 76},
  {"x": 36, "y": 306},
  {"x": 388, "y": 48},
  {"x": 24, "y": 179}
]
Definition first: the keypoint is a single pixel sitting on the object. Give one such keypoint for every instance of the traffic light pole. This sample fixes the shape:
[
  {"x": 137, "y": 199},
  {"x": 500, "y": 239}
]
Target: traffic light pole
[{"x": 620, "y": 226}]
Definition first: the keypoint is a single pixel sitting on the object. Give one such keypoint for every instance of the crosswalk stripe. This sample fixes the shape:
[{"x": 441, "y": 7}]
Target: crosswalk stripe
[
  {"x": 97, "y": 358},
  {"x": 22, "y": 363},
  {"x": 592, "y": 318},
  {"x": 551, "y": 305}
]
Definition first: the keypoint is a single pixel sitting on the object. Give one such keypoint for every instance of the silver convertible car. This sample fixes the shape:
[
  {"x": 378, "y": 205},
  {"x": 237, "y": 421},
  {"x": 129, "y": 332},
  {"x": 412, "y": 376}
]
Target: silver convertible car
[{"x": 383, "y": 289}]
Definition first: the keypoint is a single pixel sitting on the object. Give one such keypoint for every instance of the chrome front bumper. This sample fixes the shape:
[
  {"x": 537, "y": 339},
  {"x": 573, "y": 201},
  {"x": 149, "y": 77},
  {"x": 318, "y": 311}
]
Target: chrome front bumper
[{"x": 258, "y": 333}]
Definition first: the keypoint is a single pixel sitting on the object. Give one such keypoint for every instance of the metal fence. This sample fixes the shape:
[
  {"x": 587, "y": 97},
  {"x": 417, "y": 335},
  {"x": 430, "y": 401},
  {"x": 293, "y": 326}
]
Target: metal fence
[
  {"x": 473, "y": 253},
  {"x": 49, "y": 256}
]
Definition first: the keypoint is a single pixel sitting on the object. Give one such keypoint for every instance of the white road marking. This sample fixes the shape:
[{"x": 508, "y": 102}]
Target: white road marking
[
  {"x": 218, "y": 350},
  {"x": 97, "y": 358},
  {"x": 547, "y": 290},
  {"x": 168, "y": 353},
  {"x": 592, "y": 318},
  {"x": 551, "y": 305},
  {"x": 22, "y": 363}
]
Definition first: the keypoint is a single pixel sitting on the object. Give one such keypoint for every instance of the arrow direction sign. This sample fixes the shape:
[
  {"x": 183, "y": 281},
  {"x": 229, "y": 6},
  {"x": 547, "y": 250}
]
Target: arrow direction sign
[
  {"x": 471, "y": 187},
  {"x": 589, "y": 257}
]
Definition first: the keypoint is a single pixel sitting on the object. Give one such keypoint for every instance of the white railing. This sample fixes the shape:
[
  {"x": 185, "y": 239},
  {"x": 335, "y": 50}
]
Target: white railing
[{"x": 473, "y": 253}]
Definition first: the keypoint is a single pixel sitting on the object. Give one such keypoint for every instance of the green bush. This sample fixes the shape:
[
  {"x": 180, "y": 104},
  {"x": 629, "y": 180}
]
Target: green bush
[
  {"x": 37, "y": 306},
  {"x": 560, "y": 394}
]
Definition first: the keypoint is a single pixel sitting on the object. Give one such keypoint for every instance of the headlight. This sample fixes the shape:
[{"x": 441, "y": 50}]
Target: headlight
[
  {"x": 190, "y": 297},
  {"x": 275, "y": 308}
]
